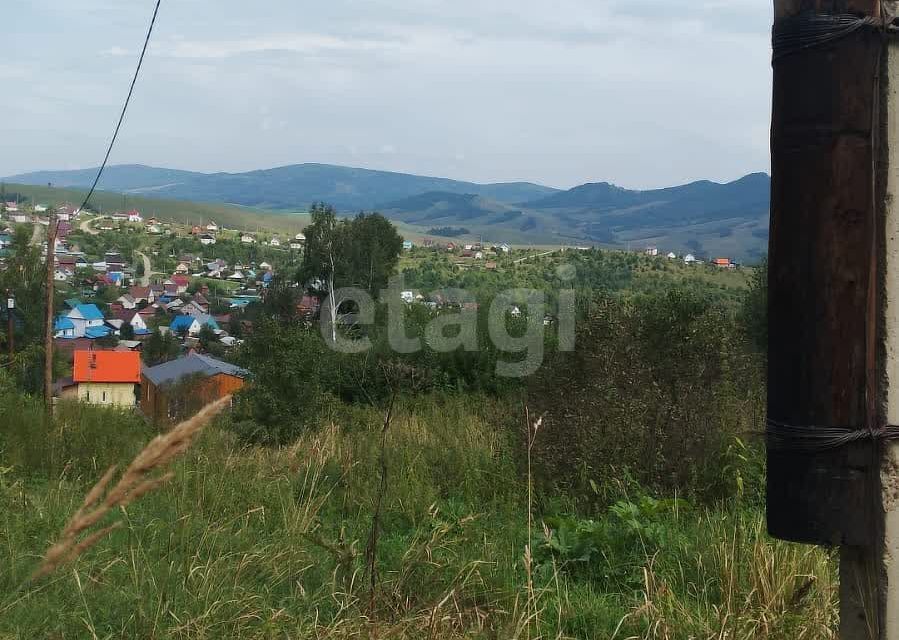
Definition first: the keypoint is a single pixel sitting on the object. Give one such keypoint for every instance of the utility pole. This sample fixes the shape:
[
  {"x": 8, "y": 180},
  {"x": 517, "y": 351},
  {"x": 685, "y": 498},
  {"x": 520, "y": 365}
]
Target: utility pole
[
  {"x": 48, "y": 317},
  {"x": 10, "y": 323},
  {"x": 833, "y": 382}
]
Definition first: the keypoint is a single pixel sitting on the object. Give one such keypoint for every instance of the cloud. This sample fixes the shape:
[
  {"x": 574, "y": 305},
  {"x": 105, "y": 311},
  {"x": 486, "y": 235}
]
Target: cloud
[
  {"x": 640, "y": 92},
  {"x": 115, "y": 51}
]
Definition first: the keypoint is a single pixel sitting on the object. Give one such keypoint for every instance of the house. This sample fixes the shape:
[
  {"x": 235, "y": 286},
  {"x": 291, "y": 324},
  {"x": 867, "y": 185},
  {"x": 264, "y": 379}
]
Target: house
[
  {"x": 174, "y": 305},
  {"x": 247, "y": 239},
  {"x": 182, "y": 268},
  {"x": 722, "y": 263},
  {"x": 84, "y": 321},
  {"x": 651, "y": 251},
  {"x": 141, "y": 294},
  {"x": 407, "y": 296},
  {"x": 107, "y": 377},
  {"x": 689, "y": 258},
  {"x": 490, "y": 266},
  {"x": 127, "y": 301},
  {"x": 265, "y": 266},
  {"x": 671, "y": 255},
  {"x": 206, "y": 239},
  {"x": 164, "y": 398},
  {"x": 136, "y": 321},
  {"x": 300, "y": 238},
  {"x": 274, "y": 242},
  {"x": 407, "y": 245},
  {"x": 135, "y": 216},
  {"x": 191, "y": 325},
  {"x": 212, "y": 227},
  {"x": 175, "y": 285},
  {"x": 154, "y": 229},
  {"x": 193, "y": 309}
]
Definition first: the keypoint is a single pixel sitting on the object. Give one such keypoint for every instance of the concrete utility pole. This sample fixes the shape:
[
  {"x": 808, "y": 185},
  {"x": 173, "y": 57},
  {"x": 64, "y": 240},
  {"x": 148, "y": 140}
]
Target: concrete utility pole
[{"x": 833, "y": 385}]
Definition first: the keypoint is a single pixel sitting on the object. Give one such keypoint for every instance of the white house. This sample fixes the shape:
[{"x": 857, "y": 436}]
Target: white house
[
  {"x": 127, "y": 301},
  {"x": 247, "y": 239},
  {"x": 265, "y": 266},
  {"x": 136, "y": 320},
  {"x": 274, "y": 242},
  {"x": 207, "y": 239},
  {"x": 671, "y": 255},
  {"x": 689, "y": 258},
  {"x": 39, "y": 208},
  {"x": 135, "y": 216},
  {"x": 408, "y": 296},
  {"x": 82, "y": 319}
]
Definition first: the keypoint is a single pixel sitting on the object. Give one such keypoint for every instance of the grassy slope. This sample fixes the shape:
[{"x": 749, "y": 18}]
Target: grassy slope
[
  {"x": 171, "y": 210},
  {"x": 270, "y": 543}
]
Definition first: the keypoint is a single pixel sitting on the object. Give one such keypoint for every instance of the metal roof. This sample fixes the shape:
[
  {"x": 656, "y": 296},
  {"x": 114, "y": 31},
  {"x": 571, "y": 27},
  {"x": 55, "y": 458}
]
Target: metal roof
[{"x": 192, "y": 364}]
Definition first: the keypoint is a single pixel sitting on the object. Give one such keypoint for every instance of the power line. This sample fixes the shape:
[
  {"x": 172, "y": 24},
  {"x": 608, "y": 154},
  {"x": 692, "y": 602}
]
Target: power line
[{"x": 115, "y": 134}]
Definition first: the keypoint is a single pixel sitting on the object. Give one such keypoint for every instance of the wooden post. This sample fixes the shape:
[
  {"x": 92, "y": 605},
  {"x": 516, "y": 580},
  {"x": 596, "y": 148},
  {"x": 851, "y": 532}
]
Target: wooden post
[
  {"x": 834, "y": 303},
  {"x": 49, "y": 315}
]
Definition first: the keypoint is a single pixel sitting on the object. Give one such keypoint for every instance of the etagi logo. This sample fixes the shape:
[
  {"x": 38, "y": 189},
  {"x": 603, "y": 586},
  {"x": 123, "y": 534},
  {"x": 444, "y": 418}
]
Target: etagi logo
[{"x": 455, "y": 326}]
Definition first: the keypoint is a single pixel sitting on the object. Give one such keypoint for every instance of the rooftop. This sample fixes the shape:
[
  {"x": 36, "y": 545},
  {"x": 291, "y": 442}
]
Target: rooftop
[{"x": 107, "y": 366}]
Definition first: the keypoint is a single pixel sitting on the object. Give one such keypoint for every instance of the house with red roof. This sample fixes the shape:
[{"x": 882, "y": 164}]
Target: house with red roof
[{"x": 108, "y": 378}]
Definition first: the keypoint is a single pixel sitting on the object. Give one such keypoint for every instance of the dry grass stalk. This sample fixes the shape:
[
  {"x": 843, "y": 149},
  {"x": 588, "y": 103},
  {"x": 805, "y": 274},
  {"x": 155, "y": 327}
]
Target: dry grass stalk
[{"x": 137, "y": 481}]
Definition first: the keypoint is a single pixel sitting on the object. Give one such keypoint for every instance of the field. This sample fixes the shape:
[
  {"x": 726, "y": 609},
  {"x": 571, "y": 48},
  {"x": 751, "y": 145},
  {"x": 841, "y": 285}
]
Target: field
[
  {"x": 265, "y": 543},
  {"x": 175, "y": 211}
]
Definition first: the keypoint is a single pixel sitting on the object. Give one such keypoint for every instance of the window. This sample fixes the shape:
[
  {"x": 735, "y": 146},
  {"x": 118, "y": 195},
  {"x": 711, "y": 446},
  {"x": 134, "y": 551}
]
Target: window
[{"x": 104, "y": 396}]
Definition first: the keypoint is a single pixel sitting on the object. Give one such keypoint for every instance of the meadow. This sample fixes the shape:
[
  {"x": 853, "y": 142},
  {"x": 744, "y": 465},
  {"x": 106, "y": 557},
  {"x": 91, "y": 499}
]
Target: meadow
[{"x": 252, "y": 542}]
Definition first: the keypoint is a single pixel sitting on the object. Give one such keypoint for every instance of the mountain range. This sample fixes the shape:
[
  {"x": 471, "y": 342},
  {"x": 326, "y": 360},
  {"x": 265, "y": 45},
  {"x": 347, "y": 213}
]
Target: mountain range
[{"x": 702, "y": 217}]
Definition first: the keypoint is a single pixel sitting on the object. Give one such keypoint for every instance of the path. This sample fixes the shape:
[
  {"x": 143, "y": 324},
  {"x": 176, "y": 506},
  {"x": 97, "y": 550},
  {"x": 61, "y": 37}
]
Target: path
[
  {"x": 86, "y": 227},
  {"x": 37, "y": 235},
  {"x": 148, "y": 269},
  {"x": 539, "y": 255}
]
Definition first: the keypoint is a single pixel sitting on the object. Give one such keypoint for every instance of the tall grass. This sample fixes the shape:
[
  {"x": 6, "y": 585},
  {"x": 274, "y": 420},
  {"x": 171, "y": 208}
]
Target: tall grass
[{"x": 264, "y": 543}]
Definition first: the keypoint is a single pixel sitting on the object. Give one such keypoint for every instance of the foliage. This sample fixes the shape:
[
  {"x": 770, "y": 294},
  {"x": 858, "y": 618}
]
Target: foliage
[
  {"x": 658, "y": 385},
  {"x": 160, "y": 348},
  {"x": 755, "y": 308},
  {"x": 448, "y": 232},
  {"x": 286, "y": 395},
  {"x": 361, "y": 252}
]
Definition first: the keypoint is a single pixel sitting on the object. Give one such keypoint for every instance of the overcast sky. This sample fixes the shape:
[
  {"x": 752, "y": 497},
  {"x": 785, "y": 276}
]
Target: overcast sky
[{"x": 643, "y": 93}]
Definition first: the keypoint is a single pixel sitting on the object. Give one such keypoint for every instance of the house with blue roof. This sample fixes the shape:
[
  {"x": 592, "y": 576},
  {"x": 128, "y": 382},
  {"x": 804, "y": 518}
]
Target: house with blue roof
[
  {"x": 191, "y": 325},
  {"x": 84, "y": 321},
  {"x": 64, "y": 328}
]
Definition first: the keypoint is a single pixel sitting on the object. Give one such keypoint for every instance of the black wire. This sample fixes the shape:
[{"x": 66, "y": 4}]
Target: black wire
[{"x": 115, "y": 134}]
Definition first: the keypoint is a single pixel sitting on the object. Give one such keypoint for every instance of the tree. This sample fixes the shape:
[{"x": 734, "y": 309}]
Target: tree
[
  {"x": 754, "y": 313},
  {"x": 160, "y": 348},
  {"x": 286, "y": 394},
  {"x": 207, "y": 337},
  {"x": 362, "y": 252},
  {"x": 127, "y": 331}
]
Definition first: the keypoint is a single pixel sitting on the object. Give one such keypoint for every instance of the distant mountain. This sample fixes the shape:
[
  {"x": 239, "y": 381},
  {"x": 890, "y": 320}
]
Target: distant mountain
[
  {"x": 441, "y": 206},
  {"x": 702, "y": 217},
  {"x": 291, "y": 187}
]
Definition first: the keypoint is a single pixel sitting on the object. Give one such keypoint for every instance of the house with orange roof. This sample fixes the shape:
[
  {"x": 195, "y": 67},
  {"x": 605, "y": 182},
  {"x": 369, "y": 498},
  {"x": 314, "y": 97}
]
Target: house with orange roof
[{"x": 108, "y": 378}]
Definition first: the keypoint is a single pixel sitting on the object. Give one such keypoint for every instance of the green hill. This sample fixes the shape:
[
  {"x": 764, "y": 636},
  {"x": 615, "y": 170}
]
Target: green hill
[
  {"x": 169, "y": 210},
  {"x": 291, "y": 187}
]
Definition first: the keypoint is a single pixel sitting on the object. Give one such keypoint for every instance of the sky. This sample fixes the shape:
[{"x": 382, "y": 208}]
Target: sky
[{"x": 641, "y": 93}]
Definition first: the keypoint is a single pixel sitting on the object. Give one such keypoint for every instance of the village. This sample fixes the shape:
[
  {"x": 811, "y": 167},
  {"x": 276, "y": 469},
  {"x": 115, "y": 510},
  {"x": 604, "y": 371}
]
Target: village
[{"x": 127, "y": 282}]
